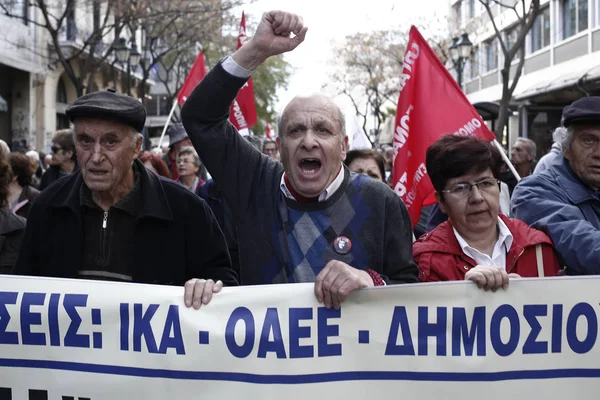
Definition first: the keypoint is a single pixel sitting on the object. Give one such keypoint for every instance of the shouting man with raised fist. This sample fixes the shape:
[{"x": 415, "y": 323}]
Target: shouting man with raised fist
[{"x": 307, "y": 219}]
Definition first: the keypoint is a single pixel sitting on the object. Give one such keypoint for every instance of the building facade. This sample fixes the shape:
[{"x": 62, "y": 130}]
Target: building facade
[
  {"x": 562, "y": 61},
  {"x": 35, "y": 89}
]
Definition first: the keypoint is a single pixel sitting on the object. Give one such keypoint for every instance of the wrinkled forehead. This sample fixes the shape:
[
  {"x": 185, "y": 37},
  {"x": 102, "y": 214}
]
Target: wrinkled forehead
[
  {"x": 590, "y": 129},
  {"x": 96, "y": 126},
  {"x": 319, "y": 107}
]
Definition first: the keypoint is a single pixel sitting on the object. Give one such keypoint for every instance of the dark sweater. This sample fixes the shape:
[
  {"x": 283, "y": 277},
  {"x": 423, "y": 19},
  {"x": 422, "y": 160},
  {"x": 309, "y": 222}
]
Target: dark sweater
[{"x": 281, "y": 240}]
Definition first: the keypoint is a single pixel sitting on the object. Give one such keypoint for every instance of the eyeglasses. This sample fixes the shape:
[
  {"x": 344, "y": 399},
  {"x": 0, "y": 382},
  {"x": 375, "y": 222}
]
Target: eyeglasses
[
  {"x": 463, "y": 189},
  {"x": 55, "y": 149},
  {"x": 270, "y": 151}
]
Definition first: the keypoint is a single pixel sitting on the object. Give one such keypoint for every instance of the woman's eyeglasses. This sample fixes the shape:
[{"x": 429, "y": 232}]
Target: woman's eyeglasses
[{"x": 462, "y": 189}]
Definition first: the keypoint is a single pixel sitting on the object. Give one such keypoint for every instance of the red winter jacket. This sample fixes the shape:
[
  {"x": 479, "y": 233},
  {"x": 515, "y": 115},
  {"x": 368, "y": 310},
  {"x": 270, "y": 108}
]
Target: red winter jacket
[{"x": 440, "y": 257}]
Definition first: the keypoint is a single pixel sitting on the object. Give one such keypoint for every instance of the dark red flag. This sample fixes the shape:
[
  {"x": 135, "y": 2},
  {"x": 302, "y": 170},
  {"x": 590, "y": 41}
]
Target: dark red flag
[
  {"x": 196, "y": 74},
  {"x": 242, "y": 113},
  {"x": 431, "y": 104}
]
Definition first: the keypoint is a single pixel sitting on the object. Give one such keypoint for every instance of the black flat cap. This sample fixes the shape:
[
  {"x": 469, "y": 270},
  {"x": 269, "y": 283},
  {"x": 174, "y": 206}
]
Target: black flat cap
[
  {"x": 111, "y": 105},
  {"x": 582, "y": 111}
]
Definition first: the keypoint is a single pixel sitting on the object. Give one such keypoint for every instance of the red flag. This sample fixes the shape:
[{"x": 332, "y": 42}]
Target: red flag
[
  {"x": 242, "y": 113},
  {"x": 431, "y": 104},
  {"x": 268, "y": 131},
  {"x": 196, "y": 74}
]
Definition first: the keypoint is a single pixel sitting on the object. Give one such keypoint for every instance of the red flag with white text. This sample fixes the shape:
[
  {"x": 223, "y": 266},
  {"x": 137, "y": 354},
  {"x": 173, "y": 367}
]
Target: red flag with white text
[
  {"x": 431, "y": 104},
  {"x": 242, "y": 113},
  {"x": 196, "y": 74}
]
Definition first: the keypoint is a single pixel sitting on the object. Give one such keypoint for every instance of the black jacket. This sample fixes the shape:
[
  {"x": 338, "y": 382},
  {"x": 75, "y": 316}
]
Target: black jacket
[
  {"x": 213, "y": 197},
  {"x": 12, "y": 229},
  {"x": 51, "y": 175},
  {"x": 177, "y": 236}
]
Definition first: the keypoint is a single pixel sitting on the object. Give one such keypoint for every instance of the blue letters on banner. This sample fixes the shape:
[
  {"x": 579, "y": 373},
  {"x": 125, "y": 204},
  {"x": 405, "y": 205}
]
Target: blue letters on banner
[
  {"x": 325, "y": 331},
  {"x": 72, "y": 338},
  {"x": 244, "y": 314},
  {"x": 298, "y": 332},
  {"x": 585, "y": 345},
  {"x": 7, "y": 337},
  {"x": 399, "y": 321},
  {"x": 460, "y": 330},
  {"x": 509, "y": 312},
  {"x": 29, "y": 318},
  {"x": 276, "y": 345}
]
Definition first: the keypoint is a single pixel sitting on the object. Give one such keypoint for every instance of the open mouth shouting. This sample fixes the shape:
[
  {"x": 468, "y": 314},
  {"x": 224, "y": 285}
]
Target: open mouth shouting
[{"x": 309, "y": 167}]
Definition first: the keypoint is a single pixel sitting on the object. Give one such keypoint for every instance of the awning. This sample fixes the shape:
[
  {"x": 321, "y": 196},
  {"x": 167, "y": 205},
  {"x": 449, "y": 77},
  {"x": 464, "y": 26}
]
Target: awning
[
  {"x": 489, "y": 110},
  {"x": 559, "y": 76},
  {"x": 3, "y": 105},
  {"x": 562, "y": 80}
]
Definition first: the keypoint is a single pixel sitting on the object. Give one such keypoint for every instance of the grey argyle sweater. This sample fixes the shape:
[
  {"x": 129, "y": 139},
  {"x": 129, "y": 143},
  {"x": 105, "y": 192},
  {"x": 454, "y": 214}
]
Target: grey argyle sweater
[{"x": 281, "y": 240}]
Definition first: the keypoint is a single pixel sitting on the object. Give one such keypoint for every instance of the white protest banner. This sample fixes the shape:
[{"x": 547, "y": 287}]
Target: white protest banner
[{"x": 68, "y": 339}]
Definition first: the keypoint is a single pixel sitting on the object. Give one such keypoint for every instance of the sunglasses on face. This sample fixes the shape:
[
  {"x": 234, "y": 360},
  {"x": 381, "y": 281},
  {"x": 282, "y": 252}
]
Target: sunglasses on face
[{"x": 55, "y": 149}]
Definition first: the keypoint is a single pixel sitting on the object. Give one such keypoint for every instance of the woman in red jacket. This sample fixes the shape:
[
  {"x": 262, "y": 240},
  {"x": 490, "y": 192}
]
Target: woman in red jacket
[{"x": 477, "y": 243}]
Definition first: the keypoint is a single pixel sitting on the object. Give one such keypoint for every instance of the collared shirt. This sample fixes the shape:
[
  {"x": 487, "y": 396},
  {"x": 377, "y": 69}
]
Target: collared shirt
[
  {"x": 329, "y": 191},
  {"x": 107, "y": 235},
  {"x": 501, "y": 248}
]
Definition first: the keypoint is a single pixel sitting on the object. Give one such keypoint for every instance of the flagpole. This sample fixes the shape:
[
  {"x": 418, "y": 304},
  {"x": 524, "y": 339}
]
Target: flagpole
[
  {"x": 506, "y": 160},
  {"x": 167, "y": 123}
]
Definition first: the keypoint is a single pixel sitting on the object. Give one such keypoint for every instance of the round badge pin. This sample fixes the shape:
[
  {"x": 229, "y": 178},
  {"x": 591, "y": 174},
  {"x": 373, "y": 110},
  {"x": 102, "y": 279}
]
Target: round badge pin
[{"x": 342, "y": 245}]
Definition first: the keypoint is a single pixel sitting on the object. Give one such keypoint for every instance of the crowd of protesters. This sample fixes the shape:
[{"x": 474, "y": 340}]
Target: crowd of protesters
[{"x": 218, "y": 209}]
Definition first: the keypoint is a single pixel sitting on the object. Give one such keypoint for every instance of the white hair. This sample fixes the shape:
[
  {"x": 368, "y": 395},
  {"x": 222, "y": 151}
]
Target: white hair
[
  {"x": 567, "y": 137},
  {"x": 33, "y": 155},
  {"x": 558, "y": 135},
  {"x": 4, "y": 147},
  {"x": 531, "y": 147}
]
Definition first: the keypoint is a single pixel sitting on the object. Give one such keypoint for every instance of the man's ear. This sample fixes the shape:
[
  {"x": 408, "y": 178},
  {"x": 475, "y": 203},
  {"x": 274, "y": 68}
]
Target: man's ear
[
  {"x": 138, "y": 145},
  {"x": 344, "y": 147},
  {"x": 440, "y": 200}
]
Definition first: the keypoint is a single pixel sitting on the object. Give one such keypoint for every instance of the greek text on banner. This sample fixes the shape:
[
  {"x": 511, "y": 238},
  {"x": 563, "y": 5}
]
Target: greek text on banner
[{"x": 100, "y": 340}]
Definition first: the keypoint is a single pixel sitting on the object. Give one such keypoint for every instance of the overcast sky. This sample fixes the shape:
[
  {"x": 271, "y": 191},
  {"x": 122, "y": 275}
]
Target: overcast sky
[{"x": 329, "y": 21}]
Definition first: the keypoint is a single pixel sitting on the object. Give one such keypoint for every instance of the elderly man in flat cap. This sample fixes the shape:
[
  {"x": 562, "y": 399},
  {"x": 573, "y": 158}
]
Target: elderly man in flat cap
[
  {"x": 564, "y": 200},
  {"x": 115, "y": 220}
]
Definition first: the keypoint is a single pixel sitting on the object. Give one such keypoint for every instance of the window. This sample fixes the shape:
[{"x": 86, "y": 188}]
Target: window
[
  {"x": 471, "y": 9},
  {"x": 71, "y": 26},
  {"x": 151, "y": 105},
  {"x": 474, "y": 63},
  {"x": 457, "y": 10},
  {"x": 164, "y": 106},
  {"x": 16, "y": 9},
  {"x": 61, "y": 92},
  {"x": 540, "y": 32},
  {"x": 491, "y": 55},
  {"x": 511, "y": 38},
  {"x": 62, "y": 121},
  {"x": 574, "y": 17}
]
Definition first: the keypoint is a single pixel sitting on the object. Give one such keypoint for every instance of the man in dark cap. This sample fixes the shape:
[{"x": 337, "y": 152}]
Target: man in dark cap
[
  {"x": 115, "y": 220},
  {"x": 564, "y": 200},
  {"x": 178, "y": 139}
]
